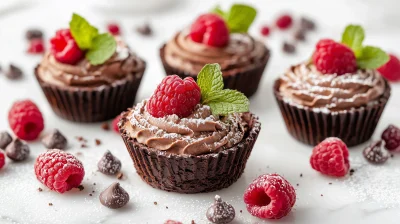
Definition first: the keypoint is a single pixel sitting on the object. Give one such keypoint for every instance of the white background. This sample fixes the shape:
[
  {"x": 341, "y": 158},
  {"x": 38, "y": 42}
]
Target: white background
[{"x": 371, "y": 195}]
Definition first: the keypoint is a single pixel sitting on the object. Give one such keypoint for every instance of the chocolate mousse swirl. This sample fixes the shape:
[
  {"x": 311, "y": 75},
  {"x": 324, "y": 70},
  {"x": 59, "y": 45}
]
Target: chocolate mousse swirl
[
  {"x": 242, "y": 52},
  {"x": 304, "y": 85},
  {"x": 122, "y": 64},
  {"x": 197, "y": 134}
]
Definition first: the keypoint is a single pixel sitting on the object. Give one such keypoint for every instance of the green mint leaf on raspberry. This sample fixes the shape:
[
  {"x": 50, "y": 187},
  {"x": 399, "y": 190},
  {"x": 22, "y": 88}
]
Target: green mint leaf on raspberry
[
  {"x": 82, "y": 31},
  {"x": 239, "y": 18},
  {"x": 372, "y": 58},
  {"x": 103, "y": 47},
  {"x": 210, "y": 80},
  {"x": 353, "y": 36},
  {"x": 222, "y": 101}
]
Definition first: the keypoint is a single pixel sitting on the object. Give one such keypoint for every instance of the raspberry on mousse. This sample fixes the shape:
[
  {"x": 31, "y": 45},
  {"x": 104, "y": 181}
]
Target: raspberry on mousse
[{"x": 64, "y": 47}]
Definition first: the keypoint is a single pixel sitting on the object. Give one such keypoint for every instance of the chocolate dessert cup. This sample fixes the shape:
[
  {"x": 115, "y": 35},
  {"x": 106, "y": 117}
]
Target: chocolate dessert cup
[{"x": 190, "y": 173}]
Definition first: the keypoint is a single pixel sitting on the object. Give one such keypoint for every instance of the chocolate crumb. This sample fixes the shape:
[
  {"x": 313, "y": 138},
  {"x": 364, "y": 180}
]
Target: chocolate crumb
[
  {"x": 13, "y": 72},
  {"x": 301, "y": 175},
  {"x": 94, "y": 183},
  {"x": 241, "y": 211},
  {"x": 50, "y": 204},
  {"x": 83, "y": 145},
  {"x": 93, "y": 191},
  {"x": 155, "y": 203},
  {"x": 288, "y": 48},
  {"x": 322, "y": 195},
  {"x": 145, "y": 29},
  {"x": 98, "y": 142},
  {"x": 90, "y": 194},
  {"x": 330, "y": 183},
  {"x": 33, "y": 34},
  {"x": 391, "y": 155},
  {"x": 300, "y": 35},
  {"x": 79, "y": 153},
  {"x": 105, "y": 126},
  {"x": 40, "y": 189},
  {"x": 193, "y": 222},
  {"x": 80, "y": 187},
  {"x": 79, "y": 138},
  {"x": 351, "y": 172},
  {"x": 297, "y": 184},
  {"x": 166, "y": 207}
]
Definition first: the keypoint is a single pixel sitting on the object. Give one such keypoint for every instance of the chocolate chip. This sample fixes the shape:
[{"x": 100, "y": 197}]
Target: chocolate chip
[
  {"x": 40, "y": 189},
  {"x": 17, "y": 150},
  {"x": 50, "y": 204},
  {"x": 105, "y": 126},
  {"x": 114, "y": 196},
  {"x": 33, "y": 34},
  {"x": 13, "y": 72},
  {"x": 220, "y": 211},
  {"x": 55, "y": 140},
  {"x": 330, "y": 183},
  {"x": 307, "y": 24},
  {"x": 301, "y": 175},
  {"x": 376, "y": 153},
  {"x": 352, "y": 172},
  {"x": 83, "y": 145},
  {"x": 155, "y": 203},
  {"x": 144, "y": 29},
  {"x": 81, "y": 187},
  {"x": 300, "y": 35},
  {"x": 5, "y": 139},
  {"x": 109, "y": 164},
  {"x": 97, "y": 141},
  {"x": 288, "y": 48}
]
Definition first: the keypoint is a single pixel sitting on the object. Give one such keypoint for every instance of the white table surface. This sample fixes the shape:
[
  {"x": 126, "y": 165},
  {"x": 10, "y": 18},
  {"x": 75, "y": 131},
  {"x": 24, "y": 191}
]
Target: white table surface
[{"x": 370, "y": 196}]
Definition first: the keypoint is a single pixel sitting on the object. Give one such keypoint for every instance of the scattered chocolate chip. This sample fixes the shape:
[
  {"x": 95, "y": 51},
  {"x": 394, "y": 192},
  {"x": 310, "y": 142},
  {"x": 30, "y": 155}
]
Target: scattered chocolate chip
[
  {"x": 81, "y": 187},
  {"x": 109, "y": 164},
  {"x": 307, "y": 24},
  {"x": 105, "y": 126},
  {"x": 17, "y": 150},
  {"x": 220, "y": 211},
  {"x": 33, "y": 34},
  {"x": 144, "y": 29},
  {"x": 83, "y": 145},
  {"x": 120, "y": 175},
  {"x": 301, "y": 175},
  {"x": 155, "y": 203},
  {"x": 97, "y": 141},
  {"x": 13, "y": 72},
  {"x": 50, "y": 204},
  {"x": 114, "y": 196},
  {"x": 352, "y": 172},
  {"x": 288, "y": 48},
  {"x": 5, "y": 139},
  {"x": 300, "y": 35},
  {"x": 55, "y": 140},
  {"x": 376, "y": 153},
  {"x": 40, "y": 189}
]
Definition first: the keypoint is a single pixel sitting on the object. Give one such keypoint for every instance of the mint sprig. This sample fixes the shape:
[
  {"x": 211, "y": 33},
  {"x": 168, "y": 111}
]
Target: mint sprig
[
  {"x": 368, "y": 57},
  {"x": 239, "y": 18},
  {"x": 99, "y": 47},
  {"x": 221, "y": 101}
]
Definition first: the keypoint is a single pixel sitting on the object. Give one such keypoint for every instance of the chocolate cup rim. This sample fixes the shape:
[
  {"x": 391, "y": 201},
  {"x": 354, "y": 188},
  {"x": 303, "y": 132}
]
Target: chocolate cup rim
[
  {"x": 253, "y": 133},
  {"x": 383, "y": 99},
  {"x": 90, "y": 88},
  {"x": 244, "y": 69}
]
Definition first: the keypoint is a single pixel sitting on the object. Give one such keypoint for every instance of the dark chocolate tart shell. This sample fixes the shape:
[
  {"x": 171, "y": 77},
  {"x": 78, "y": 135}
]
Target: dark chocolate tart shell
[
  {"x": 92, "y": 104},
  {"x": 245, "y": 81},
  {"x": 189, "y": 173},
  {"x": 354, "y": 126}
]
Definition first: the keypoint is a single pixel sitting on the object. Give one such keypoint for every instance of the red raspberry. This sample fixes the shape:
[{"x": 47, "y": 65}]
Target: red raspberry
[
  {"x": 64, "y": 48},
  {"x": 210, "y": 29},
  {"x": 331, "y": 57},
  {"x": 284, "y": 22},
  {"x": 115, "y": 123},
  {"x": 58, "y": 170},
  {"x": 2, "y": 160},
  {"x": 269, "y": 196},
  {"x": 391, "y": 136},
  {"x": 36, "y": 46},
  {"x": 331, "y": 157},
  {"x": 113, "y": 28},
  {"x": 174, "y": 96},
  {"x": 265, "y": 30},
  {"x": 172, "y": 222},
  {"x": 391, "y": 70},
  {"x": 25, "y": 120}
]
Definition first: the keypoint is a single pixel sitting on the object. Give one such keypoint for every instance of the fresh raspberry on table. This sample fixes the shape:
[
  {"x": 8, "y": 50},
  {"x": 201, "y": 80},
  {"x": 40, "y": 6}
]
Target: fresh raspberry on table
[
  {"x": 210, "y": 29},
  {"x": 331, "y": 157},
  {"x": 172, "y": 222},
  {"x": 284, "y": 22},
  {"x": 391, "y": 136},
  {"x": 64, "y": 48},
  {"x": 115, "y": 123},
  {"x": 26, "y": 120},
  {"x": 2, "y": 160},
  {"x": 269, "y": 196},
  {"x": 391, "y": 70},
  {"x": 174, "y": 96},
  {"x": 265, "y": 30},
  {"x": 331, "y": 57},
  {"x": 114, "y": 29},
  {"x": 36, "y": 46},
  {"x": 58, "y": 170}
]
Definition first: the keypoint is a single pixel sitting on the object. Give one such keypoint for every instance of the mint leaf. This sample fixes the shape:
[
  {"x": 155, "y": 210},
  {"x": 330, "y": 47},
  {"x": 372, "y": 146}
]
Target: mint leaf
[
  {"x": 103, "y": 47},
  {"x": 210, "y": 80},
  {"x": 217, "y": 10},
  {"x": 353, "y": 36},
  {"x": 82, "y": 31},
  {"x": 240, "y": 18},
  {"x": 229, "y": 101},
  {"x": 372, "y": 58}
]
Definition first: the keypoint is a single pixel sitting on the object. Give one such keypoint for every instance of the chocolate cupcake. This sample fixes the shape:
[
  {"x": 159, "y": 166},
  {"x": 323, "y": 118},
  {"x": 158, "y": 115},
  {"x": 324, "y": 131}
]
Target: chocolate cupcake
[
  {"x": 89, "y": 84},
  {"x": 337, "y": 95},
  {"x": 210, "y": 40},
  {"x": 204, "y": 151}
]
